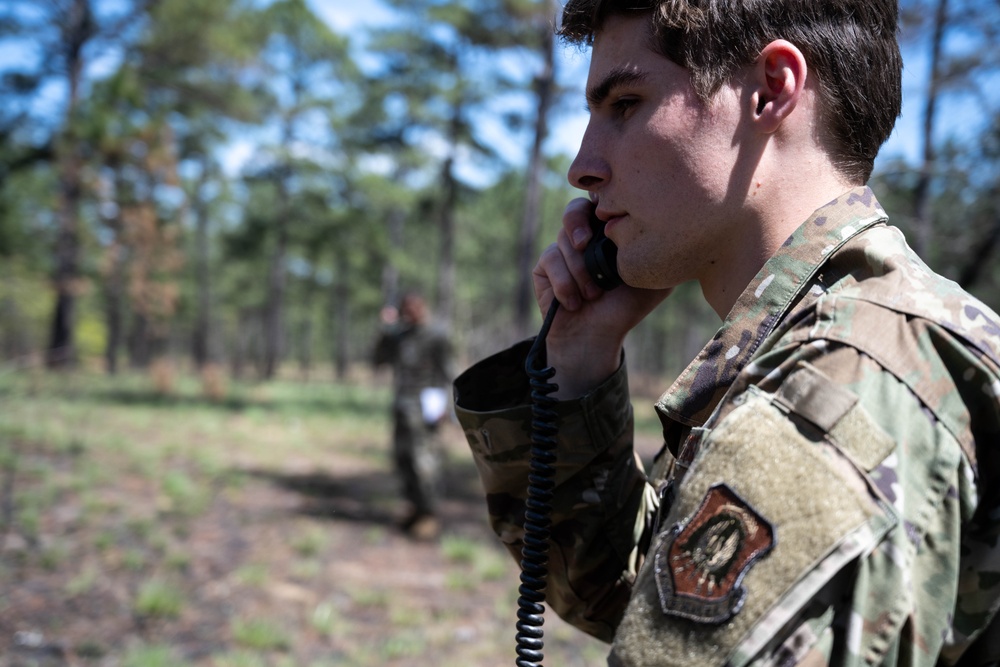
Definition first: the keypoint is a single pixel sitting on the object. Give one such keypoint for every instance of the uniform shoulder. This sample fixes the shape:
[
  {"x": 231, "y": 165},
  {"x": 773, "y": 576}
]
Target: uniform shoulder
[{"x": 893, "y": 278}]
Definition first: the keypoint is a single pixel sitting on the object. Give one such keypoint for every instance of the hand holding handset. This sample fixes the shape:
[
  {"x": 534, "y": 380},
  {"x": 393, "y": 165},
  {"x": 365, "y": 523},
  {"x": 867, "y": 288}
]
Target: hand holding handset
[{"x": 600, "y": 257}]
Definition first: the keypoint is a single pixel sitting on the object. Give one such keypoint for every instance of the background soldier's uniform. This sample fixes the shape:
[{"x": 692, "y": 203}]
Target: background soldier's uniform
[
  {"x": 421, "y": 357},
  {"x": 834, "y": 454}
]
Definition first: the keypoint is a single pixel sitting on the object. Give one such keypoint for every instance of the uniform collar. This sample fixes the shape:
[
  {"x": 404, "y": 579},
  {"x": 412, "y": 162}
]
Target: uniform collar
[{"x": 783, "y": 279}]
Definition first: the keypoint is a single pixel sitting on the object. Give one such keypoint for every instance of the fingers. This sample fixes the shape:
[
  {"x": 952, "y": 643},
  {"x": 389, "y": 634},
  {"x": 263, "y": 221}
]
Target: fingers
[
  {"x": 561, "y": 271},
  {"x": 576, "y": 222},
  {"x": 552, "y": 279}
]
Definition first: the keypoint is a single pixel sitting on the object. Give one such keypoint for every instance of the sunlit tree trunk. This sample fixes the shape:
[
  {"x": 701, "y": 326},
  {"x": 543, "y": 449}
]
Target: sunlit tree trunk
[
  {"x": 341, "y": 311},
  {"x": 531, "y": 220},
  {"x": 449, "y": 200},
  {"x": 923, "y": 216},
  {"x": 201, "y": 338}
]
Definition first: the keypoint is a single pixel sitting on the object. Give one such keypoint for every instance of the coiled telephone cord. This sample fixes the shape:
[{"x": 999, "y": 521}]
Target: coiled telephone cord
[{"x": 538, "y": 508}]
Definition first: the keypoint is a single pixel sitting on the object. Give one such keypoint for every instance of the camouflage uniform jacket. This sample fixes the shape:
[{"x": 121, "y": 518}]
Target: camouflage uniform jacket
[
  {"x": 829, "y": 488},
  {"x": 420, "y": 355}
]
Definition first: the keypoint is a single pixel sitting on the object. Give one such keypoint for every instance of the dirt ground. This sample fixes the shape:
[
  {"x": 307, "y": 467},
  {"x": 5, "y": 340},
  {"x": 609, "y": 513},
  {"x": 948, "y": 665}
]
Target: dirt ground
[{"x": 297, "y": 564}]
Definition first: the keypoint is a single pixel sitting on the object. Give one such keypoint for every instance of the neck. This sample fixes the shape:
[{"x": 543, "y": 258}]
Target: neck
[{"x": 773, "y": 209}]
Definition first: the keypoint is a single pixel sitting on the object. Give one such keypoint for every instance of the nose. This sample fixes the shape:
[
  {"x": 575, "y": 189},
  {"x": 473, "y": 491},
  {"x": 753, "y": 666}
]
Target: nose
[{"x": 589, "y": 170}]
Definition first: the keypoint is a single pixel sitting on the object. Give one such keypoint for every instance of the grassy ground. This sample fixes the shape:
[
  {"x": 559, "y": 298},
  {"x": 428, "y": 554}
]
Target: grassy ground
[{"x": 145, "y": 523}]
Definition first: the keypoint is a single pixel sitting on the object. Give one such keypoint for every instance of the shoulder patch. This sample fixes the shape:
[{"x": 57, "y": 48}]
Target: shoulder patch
[
  {"x": 700, "y": 565},
  {"x": 754, "y": 465}
]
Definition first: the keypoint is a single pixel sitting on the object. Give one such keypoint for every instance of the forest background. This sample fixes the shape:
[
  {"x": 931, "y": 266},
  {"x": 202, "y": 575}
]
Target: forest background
[
  {"x": 204, "y": 205},
  {"x": 245, "y": 184}
]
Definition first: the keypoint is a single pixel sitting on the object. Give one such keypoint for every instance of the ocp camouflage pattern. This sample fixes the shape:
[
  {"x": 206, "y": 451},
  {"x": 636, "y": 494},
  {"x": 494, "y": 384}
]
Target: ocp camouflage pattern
[{"x": 876, "y": 380}]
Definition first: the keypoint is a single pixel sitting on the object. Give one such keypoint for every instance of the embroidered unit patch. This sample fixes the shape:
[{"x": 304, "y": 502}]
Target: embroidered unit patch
[{"x": 701, "y": 563}]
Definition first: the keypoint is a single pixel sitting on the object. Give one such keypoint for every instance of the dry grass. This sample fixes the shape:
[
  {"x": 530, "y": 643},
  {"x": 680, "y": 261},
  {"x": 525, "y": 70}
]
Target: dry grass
[{"x": 174, "y": 520}]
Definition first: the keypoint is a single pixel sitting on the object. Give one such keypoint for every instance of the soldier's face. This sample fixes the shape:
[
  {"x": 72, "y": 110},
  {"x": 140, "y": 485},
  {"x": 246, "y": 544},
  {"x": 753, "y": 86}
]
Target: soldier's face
[
  {"x": 659, "y": 160},
  {"x": 413, "y": 310}
]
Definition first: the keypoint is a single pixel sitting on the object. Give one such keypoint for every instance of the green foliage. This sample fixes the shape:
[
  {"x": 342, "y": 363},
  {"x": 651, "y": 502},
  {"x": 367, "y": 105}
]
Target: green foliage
[
  {"x": 359, "y": 146},
  {"x": 158, "y": 598},
  {"x": 25, "y": 303}
]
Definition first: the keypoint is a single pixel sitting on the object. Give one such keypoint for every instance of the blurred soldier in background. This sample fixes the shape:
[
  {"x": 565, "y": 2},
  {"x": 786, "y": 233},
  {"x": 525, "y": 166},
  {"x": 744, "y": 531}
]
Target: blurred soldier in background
[{"x": 419, "y": 352}]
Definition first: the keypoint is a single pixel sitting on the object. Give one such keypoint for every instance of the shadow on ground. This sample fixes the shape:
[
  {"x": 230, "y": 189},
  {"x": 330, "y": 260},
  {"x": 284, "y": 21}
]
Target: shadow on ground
[{"x": 373, "y": 496}]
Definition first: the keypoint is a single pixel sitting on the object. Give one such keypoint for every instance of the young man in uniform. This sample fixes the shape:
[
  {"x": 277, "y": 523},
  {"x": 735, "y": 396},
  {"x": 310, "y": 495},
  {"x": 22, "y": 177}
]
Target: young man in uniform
[{"x": 829, "y": 488}]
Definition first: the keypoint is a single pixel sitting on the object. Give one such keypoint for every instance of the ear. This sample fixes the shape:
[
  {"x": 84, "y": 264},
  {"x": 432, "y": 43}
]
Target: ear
[{"x": 778, "y": 79}]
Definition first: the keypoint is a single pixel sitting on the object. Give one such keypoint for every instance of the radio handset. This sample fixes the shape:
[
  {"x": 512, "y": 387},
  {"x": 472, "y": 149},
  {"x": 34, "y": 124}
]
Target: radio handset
[{"x": 600, "y": 257}]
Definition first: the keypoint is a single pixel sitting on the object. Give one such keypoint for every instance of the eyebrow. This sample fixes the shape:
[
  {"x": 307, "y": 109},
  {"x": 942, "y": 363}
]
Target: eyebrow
[{"x": 617, "y": 77}]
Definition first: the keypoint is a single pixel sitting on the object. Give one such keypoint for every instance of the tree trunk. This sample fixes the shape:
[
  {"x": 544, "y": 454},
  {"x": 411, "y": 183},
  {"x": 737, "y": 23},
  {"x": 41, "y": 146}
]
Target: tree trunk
[
  {"x": 305, "y": 325},
  {"x": 274, "y": 311},
  {"x": 531, "y": 219},
  {"x": 114, "y": 297},
  {"x": 62, "y": 344},
  {"x": 390, "y": 274},
  {"x": 139, "y": 347},
  {"x": 923, "y": 218},
  {"x": 969, "y": 275},
  {"x": 78, "y": 29},
  {"x": 201, "y": 340},
  {"x": 341, "y": 310},
  {"x": 446, "y": 260}
]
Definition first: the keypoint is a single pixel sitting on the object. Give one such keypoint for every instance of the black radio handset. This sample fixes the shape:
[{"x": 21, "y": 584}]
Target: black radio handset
[{"x": 600, "y": 257}]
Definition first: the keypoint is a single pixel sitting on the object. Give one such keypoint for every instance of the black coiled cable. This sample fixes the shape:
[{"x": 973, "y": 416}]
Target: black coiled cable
[{"x": 538, "y": 509}]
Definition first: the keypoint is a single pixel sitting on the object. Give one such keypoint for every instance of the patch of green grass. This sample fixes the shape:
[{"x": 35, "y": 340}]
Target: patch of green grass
[
  {"x": 29, "y": 518},
  {"x": 460, "y": 550},
  {"x": 134, "y": 559},
  {"x": 83, "y": 582},
  {"x": 306, "y": 570},
  {"x": 370, "y": 597},
  {"x": 327, "y": 619},
  {"x": 104, "y": 540},
  {"x": 53, "y": 556},
  {"x": 311, "y": 543},
  {"x": 409, "y": 644},
  {"x": 460, "y": 581},
  {"x": 8, "y": 457},
  {"x": 253, "y": 574},
  {"x": 407, "y": 616},
  {"x": 178, "y": 560},
  {"x": 480, "y": 562},
  {"x": 492, "y": 566},
  {"x": 153, "y": 655},
  {"x": 184, "y": 495},
  {"x": 90, "y": 649},
  {"x": 260, "y": 634},
  {"x": 142, "y": 527},
  {"x": 239, "y": 659},
  {"x": 158, "y": 599},
  {"x": 375, "y": 535}
]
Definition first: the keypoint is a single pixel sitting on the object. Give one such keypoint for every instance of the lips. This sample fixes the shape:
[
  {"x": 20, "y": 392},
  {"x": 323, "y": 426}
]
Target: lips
[{"x": 610, "y": 218}]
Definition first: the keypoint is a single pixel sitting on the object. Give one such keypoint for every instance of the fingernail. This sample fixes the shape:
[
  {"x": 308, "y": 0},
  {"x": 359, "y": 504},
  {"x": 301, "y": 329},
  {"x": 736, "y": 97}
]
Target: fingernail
[{"x": 580, "y": 237}]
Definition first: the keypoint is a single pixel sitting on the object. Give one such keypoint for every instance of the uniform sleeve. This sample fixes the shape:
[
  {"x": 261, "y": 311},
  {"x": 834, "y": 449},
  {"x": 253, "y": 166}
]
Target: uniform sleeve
[
  {"x": 386, "y": 345},
  {"x": 927, "y": 592},
  {"x": 602, "y": 504},
  {"x": 886, "y": 548},
  {"x": 442, "y": 358}
]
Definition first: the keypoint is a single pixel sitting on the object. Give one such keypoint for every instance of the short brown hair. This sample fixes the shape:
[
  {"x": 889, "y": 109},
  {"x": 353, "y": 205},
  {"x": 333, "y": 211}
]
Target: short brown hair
[{"x": 850, "y": 45}]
